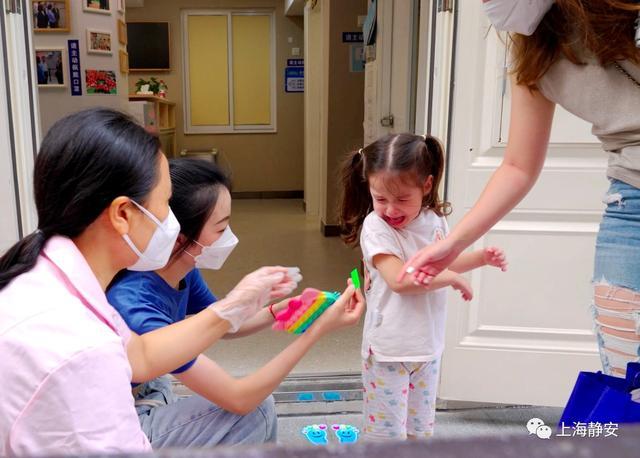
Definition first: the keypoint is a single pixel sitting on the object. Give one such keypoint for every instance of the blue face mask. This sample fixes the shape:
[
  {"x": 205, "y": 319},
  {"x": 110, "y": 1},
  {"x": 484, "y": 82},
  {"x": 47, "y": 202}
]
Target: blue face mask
[
  {"x": 518, "y": 16},
  {"x": 159, "y": 248}
]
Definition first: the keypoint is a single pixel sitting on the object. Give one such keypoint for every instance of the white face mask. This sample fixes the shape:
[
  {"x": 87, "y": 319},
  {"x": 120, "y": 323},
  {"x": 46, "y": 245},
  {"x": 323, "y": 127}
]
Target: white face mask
[
  {"x": 159, "y": 248},
  {"x": 214, "y": 255},
  {"x": 518, "y": 16}
]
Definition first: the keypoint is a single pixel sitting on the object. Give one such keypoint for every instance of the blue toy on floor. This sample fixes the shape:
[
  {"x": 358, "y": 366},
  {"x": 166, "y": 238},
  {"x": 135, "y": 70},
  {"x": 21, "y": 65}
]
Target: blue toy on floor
[
  {"x": 347, "y": 434},
  {"x": 317, "y": 434}
]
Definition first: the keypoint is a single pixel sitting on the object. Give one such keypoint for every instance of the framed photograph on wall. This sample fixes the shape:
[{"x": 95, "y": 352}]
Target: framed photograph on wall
[
  {"x": 124, "y": 61},
  {"x": 97, "y": 6},
  {"x": 99, "y": 42},
  {"x": 101, "y": 82},
  {"x": 122, "y": 32},
  {"x": 51, "y": 16},
  {"x": 50, "y": 67}
]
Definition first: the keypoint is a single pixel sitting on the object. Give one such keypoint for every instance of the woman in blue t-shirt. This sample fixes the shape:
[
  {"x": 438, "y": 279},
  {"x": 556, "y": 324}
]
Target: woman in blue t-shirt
[{"x": 224, "y": 410}]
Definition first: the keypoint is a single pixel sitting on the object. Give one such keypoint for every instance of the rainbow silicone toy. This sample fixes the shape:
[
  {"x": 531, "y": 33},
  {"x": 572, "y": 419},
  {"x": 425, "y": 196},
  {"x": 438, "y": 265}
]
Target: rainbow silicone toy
[{"x": 303, "y": 310}]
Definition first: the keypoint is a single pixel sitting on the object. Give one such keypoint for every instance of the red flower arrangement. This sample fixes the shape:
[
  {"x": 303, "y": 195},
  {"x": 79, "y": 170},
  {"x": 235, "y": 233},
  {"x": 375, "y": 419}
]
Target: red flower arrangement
[{"x": 101, "y": 82}]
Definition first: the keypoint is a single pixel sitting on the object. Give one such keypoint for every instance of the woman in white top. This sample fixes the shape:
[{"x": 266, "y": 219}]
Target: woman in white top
[{"x": 582, "y": 55}]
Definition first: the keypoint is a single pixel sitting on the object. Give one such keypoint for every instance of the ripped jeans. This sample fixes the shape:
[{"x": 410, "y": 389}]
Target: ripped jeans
[{"x": 616, "y": 279}]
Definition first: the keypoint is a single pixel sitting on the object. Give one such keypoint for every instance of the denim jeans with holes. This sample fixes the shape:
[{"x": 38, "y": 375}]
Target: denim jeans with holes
[{"x": 617, "y": 266}]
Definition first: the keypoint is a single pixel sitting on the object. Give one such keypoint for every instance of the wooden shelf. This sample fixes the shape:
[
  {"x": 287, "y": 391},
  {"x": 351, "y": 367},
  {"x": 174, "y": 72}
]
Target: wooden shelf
[
  {"x": 165, "y": 110},
  {"x": 161, "y": 119}
]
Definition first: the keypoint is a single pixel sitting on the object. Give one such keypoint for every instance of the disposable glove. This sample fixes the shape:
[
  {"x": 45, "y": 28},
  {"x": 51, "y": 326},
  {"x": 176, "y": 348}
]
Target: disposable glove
[{"x": 254, "y": 291}]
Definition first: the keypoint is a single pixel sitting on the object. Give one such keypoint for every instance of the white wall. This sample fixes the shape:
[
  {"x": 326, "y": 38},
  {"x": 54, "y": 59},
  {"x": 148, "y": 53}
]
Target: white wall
[{"x": 58, "y": 102}]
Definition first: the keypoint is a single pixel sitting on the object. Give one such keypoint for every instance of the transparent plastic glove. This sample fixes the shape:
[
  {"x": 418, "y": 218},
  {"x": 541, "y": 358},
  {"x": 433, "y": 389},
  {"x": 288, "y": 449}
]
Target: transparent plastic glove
[
  {"x": 252, "y": 292},
  {"x": 288, "y": 285}
]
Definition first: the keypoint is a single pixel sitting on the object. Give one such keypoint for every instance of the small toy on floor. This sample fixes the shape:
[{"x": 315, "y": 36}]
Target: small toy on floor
[
  {"x": 317, "y": 434},
  {"x": 303, "y": 310},
  {"x": 347, "y": 434}
]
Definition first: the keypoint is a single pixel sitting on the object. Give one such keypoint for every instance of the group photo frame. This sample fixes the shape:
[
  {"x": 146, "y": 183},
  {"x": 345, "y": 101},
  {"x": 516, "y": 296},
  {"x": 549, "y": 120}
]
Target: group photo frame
[
  {"x": 99, "y": 42},
  {"x": 51, "y": 68},
  {"x": 51, "y": 16}
]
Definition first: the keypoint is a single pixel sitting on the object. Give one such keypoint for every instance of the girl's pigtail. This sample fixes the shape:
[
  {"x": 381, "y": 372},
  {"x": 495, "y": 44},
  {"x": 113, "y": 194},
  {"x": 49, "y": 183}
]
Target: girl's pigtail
[
  {"x": 355, "y": 201},
  {"x": 435, "y": 153}
]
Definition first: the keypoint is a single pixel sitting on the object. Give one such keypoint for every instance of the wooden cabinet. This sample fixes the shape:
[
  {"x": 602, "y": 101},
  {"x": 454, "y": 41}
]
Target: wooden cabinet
[{"x": 157, "y": 115}]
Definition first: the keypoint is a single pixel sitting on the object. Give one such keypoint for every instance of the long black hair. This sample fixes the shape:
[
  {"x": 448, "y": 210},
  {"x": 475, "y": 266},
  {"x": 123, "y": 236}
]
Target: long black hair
[
  {"x": 415, "y": 156},
  {"x": 196, "y": 185},
  {"x": 86, "y": 160}
]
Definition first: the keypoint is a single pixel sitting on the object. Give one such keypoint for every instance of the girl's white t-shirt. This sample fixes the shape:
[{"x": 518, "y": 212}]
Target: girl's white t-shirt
[{"x": 402, "y": 327}]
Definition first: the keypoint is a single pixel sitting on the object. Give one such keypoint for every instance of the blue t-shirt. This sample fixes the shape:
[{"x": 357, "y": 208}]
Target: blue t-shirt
[{"x": 147, "y": 302}]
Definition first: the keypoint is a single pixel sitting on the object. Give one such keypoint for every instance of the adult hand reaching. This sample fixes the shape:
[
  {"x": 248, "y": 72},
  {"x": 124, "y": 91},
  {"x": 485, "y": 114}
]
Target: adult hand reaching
[{"x": 429, "y": 262}]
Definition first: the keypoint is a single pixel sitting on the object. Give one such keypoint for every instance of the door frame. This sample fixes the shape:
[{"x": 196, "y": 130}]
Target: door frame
[{"x": 22, "y": 108}]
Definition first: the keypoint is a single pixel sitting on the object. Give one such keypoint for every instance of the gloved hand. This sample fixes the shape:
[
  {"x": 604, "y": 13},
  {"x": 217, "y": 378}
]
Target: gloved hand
[
  {"x": 254, "y": 291},
  {"x": 289, "y": 284}
]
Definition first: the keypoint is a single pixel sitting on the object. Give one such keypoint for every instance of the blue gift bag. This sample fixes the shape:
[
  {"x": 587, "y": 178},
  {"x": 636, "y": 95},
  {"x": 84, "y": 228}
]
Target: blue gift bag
[{"x": 603, "y": 398}]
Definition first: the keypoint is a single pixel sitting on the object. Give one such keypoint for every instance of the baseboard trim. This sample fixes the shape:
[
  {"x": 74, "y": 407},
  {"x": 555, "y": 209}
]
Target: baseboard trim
[
  {"x": 267, "y": 194},
  {"x": 329, "y": 230}
]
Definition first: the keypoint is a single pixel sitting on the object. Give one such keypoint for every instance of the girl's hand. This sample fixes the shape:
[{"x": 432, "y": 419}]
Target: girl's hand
[
  {"x": 429, "y": 261},
  {"x": 461, "y": 284},
  {"x": 346, "y": 311},
  {"x": 494, "y": 256}
]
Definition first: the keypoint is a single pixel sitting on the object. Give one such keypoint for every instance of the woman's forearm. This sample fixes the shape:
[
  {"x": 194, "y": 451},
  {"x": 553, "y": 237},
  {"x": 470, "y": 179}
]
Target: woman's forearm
[
  {"x": 243, "y": 395},
  {"x": 254, "y": 388},
  {"x": 529, "y": 132},
  {"x": 163, "y": 350},
  {"x": 261, "y": 320},
  {"x": 508, "y": 185}
]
